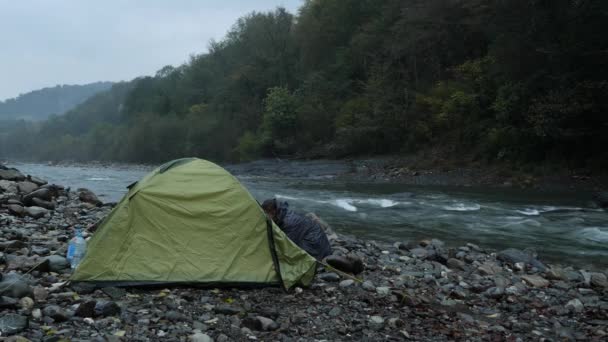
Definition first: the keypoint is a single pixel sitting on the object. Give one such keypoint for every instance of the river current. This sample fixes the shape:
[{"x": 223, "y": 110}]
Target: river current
[{"x": 562, "y": 227}]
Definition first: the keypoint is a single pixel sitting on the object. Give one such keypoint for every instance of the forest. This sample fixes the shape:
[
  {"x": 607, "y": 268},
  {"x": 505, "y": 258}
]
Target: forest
[{"x": 519, "y": 81}]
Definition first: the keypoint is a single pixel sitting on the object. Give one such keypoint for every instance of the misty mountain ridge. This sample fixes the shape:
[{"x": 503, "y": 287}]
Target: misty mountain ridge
[{"x": 40, "y": 104}]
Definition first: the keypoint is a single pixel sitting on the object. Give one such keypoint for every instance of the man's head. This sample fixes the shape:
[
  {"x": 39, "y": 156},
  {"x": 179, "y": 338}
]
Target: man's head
[{"x": 270, "y": 208}]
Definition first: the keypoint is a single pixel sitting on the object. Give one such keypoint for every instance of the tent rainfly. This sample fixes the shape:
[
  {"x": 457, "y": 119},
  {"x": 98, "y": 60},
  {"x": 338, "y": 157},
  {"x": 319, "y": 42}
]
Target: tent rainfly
[{"x": 191, "y": 222}]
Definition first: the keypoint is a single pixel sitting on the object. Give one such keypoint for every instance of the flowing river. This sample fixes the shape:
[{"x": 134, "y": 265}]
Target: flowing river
[{"x": 562, "y": 227}]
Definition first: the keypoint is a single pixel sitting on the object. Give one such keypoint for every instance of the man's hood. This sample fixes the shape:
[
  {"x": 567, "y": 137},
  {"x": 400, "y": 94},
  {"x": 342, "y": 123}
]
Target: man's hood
[{"x": 282, "y": 210}]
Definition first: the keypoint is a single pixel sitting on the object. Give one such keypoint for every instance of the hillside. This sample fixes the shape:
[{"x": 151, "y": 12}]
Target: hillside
[
  {"x": 515, "y": 82},
  {"x": 40, "y": 104}
]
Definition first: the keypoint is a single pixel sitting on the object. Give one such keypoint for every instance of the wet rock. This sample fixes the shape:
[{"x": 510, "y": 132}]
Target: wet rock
[
  {"x": 383, "y": 291},
  {"x": 11, "y": 175},
  {"x": 56, "y": 313},
  {"x": 494, "y": 292},
  {"x": 26, "y": 187},
  {"x": 420, "y": 253},
  {"x": 376, "y": 322},
  {"x": 11, "y": 245},
  {"x": 225, "y": 309},
  {"x": 87, "y": 196},
  {"x": 456, "y": 264},
  {"x": 26, "y": 304},
  {"x": 43, "y": 204},
  {"x": 13, "y": 285},
  {"x": 199, "y": 337},
  {"x": 535, "y": 280},
  {"x": 103, "y": 309},
  {"x": 346, "y": 283},
  {"x": 599, "y": 280},
  {"x": 368, "y": 286},
  {"x": 36, "y": 212},
  {"x": 43, "y": 193},
  {"x": 260, "y": 323},
  {"x": 8, "y": 302},
  {"x": 40, "y": 250},
  {"x": 16, "y": 209},
  {"x": 348, "y": 264},
  {"x": 57, "y": 263},
  {"x": 11, "y": 324},
  {"x": 555, "y": 273},
  {"x": 86, "y": 309},
  {"x": 489, "y": 269},
  {"x": 115, "y": 293},
  {"x": 575, "y": 305},
  {"x": 329, "y": 277},
  {"x": 513, "y": 256},
  {"x": 335, "y": 312},
  {"x": 36, "y": 180},
  {"x": 83, "y": 288}
]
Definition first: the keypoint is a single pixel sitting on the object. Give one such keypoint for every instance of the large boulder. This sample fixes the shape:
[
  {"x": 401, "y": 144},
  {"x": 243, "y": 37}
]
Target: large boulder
[
  {"x": 15, "y": 286},
  {"x": 11, "y": 324},
  {"x": 43, "y": 204},
  {"x": 11, "y": 174},
  {"x": 16, "y": 209},
  {"x": 44, "y": 194},
  {"x": 36, "y": 180},
  {"x": 36, "y": 212},
  {"x": 57, "y": 263},
  {"x": 87, "y": 196},
  {"x": 8, "y": 186},
  {"x": 26, "y": 187},
  {"x": 513, "y": 256}
]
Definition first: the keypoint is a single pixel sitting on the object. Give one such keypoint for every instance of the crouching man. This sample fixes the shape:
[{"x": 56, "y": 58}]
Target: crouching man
[{"x": 303, "y": 231}]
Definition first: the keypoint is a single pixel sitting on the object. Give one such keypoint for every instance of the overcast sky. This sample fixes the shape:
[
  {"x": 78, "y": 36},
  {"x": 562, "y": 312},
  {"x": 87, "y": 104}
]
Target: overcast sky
[{"x": 49, "y": 42}]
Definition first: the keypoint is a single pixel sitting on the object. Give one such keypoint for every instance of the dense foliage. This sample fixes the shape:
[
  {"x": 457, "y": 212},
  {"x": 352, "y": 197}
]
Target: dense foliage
[
  {"x": 518, "y": 80},
  {"x": 40, "y": 104}
]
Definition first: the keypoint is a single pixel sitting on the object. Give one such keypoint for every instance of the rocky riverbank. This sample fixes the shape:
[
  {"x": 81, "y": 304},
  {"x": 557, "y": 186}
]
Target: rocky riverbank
[{"x": 420, "y": 290}]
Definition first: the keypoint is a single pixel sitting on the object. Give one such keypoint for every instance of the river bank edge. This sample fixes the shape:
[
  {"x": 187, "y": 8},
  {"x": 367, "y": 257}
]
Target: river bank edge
[
  {"x": 420, "y": 290},
  {"x": 414, "y": 169}
]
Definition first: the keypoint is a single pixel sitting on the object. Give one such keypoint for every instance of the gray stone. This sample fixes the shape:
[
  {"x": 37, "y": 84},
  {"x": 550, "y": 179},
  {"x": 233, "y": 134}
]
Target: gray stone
[
  {"x": 43, "y": 204},
  {"x": 11, "y": 324},
  {"x": 103, "y": 309},
  {"x": 368, "y": 286},
  {"x": 329, "y": 277},
  {"x": 382, "y": 290},
  {"x": 56, "y": 313},
  {"x": 346, "y": 283},
  {"x": 555, "y": 273},
  {"x": 16, "y": 209},
  {"x": 87, "y": 196},
  {"x": 8, "y": 302},
  {"x": 599, "y": 280},
  {"x": 199, "y": 337},
  {"x": 489, "y": 269},
  {"x": 115, "y": 293},
  {"x": 456, "y": 264},
  {"x": 225, "y": 309},
  {"x": 420, "y": 253},
  {"x": 513, "y": 256},
  {"x": 260, "y": 323},
  {"x": 535, "y": 280},
  {"x": 57, "y": 263},
  {"x": 335, "y": 311},
  {"x": 26, "y": 304},
  {"x": 35, "y": 212},
  {"x": 13, "y": 285},
  {"x": 26, "y": 187},
  {"x": 494, "y": 292},
  {"x": 376, "y": 320},
  {"x": 11, "y": 175},
  {"x": 575, "y": 305}
]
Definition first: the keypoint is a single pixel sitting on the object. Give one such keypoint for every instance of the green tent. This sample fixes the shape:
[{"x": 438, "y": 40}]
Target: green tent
[{"x": 192, "y": 222}]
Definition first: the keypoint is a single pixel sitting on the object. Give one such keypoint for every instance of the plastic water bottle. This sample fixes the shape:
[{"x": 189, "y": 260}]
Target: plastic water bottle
[{"x": 76, "y": 249}]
